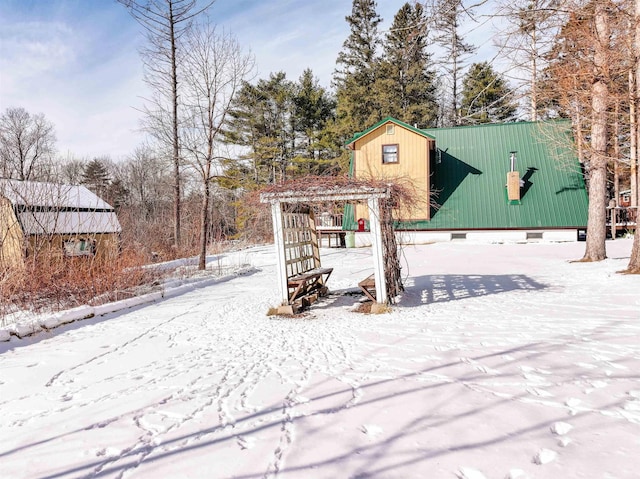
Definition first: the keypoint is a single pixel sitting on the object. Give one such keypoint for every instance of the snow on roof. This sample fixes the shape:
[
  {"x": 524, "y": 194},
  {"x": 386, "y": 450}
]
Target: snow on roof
[
  {"x": 51, "y": 195},
  {"x": 68, "y": 222}
]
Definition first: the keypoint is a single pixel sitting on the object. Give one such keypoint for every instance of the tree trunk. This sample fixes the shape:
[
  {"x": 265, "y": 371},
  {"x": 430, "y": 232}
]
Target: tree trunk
[
  {"x": 633, "y": 127},
  {"x": 534, "y": 77},
  {"x": 635, "y": 178},
  {"x": 204, "y": 225},
  {"x": 634, "y": 260},
  {"x": 596, "y": 223},
  {"x": 176, "y": 145}
]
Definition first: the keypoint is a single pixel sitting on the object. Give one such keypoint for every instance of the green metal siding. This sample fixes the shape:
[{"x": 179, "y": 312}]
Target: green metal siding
[{"x": 471, "y": 178}]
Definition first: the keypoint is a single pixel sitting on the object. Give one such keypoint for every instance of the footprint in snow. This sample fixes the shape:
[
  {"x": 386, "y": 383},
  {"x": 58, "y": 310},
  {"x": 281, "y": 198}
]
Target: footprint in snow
[
  {"x": 561, "y": 428},
  {"x": 246, "y": 442},
  {"x": 516, "y": 474},
  {"x": 564, "y": 442},
  {"x": 633, "y": 405},
  {"x": 469, "y": 473},
  {"x": 539, "y": 392},
  {"x": 544, "y": 456},
  {"x": 572, "y": 403},
  {"x": 371, "y": 430}
]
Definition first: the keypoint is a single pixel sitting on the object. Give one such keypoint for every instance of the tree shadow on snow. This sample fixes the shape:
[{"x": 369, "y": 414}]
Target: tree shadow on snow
[
  {"x": 444, "y": 288},
  {"x": 434, "y": 387}
]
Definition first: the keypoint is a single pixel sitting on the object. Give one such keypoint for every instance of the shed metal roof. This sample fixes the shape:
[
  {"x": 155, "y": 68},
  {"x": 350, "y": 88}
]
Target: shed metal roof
[
  {"x": 59, "y": 209},
  {"x": 51, "y": 195},
  {"x": 68, "y": 222},
  {"x": 469, "y": 176}
]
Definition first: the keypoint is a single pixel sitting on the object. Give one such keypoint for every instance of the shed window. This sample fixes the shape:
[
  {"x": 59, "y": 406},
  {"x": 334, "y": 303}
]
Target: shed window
[
  {"x": 391, "y": 129},
  {"x": 79, "y": 247},
  {"x": 390, "y": 153}
]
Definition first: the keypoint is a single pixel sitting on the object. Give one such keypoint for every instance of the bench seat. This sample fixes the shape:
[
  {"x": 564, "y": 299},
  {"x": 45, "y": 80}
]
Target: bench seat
[
  {"x": 368, "y": 287},
  {"x": 308, "y": 282}
]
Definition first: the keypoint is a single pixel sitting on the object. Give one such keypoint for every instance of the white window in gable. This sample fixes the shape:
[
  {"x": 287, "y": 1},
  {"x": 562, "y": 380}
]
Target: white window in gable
[
  {"x": 389, "y": 154},
  {"x": 391, "y": 130}
]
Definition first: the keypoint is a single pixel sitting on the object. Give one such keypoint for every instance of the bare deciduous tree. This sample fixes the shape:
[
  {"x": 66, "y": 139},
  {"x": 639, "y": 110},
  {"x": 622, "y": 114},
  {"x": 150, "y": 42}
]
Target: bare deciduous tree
[
  {"x": 526, "y": 39},
  {"x": 27, "y": 142},
  {"x": 596, "y": 233},
  {"x": 215, "y": 67},
  {"x": 165, "y": 22},
  {"x": 634, "y": 260},
  {"x": 449, "y": 15}
]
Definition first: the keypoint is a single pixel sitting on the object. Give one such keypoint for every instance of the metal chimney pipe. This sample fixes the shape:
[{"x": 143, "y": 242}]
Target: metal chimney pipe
[{"x": 513, "y": 161}]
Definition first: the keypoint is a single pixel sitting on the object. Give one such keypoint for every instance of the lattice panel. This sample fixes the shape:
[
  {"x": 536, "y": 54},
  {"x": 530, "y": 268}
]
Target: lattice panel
[{"x": 300, "y": 243}]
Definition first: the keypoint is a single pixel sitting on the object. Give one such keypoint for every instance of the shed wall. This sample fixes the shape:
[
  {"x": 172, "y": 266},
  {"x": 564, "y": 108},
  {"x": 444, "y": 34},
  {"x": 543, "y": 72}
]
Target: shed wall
[
  {"x": 106, "y": 246},
  {"x": 11, "y": 245},
  {"x": 413, "y": 164}
]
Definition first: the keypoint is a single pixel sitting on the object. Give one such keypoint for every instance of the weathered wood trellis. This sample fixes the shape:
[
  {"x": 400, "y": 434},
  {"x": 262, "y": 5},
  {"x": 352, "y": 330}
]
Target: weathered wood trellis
[{"x": 298, "y": 259}]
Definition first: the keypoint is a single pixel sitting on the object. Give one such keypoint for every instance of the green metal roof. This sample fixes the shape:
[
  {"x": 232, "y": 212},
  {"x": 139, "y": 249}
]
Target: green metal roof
[
  {"x": 470, "y": 170},
  {"x": 392, "y": 120}
]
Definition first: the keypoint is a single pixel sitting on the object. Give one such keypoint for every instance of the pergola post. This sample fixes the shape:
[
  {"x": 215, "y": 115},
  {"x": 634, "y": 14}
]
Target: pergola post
[
  {"x": 369, "y": 194},
  {"x": 281, "y": 262},
  {"x": 377, "y": 252}
]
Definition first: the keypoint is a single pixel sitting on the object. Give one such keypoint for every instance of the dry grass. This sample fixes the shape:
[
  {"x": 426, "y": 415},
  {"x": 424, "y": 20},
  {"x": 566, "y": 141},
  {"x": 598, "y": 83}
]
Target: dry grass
[{"x": 50, "y": 282}]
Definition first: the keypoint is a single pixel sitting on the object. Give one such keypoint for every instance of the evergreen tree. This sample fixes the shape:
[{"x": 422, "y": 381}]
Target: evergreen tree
[
  {"x": 486, "y": 97},
  {"x": 261, "y": 121},
  {"x": 95, "y": 176},
  {"x": 406, "y": 85},
  {"x": 313, "y": 110},
  {"x": 356, "y": 72}
]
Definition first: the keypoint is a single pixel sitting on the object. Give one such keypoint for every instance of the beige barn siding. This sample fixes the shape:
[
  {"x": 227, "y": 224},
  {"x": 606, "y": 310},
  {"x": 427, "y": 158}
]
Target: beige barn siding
[
  {"x": 412, "y": 166},
  {"x": 107, "y": 244},
  {"x": 11, "y": 246}
]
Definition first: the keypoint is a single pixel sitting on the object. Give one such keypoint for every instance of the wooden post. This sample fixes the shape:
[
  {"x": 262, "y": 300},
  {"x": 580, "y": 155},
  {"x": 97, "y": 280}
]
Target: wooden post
[
  {"x": 278, "y": 239},
  {"x": 376, "y": 246}
]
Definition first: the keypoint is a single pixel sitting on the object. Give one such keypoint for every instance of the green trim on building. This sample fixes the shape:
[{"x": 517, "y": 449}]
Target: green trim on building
[
  {"x": 386, "y": 120},
  {"x": 469, "y": 174}
]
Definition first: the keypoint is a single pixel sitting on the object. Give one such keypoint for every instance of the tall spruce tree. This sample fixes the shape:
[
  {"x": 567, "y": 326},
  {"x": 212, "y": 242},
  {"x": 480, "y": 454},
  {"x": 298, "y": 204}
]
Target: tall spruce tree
[
  {"x": 486, "y": 97},
  {"x": 356, "y": 72},
  {"x": 406, "y": 85},
  {"x": 313, "y": 109}
]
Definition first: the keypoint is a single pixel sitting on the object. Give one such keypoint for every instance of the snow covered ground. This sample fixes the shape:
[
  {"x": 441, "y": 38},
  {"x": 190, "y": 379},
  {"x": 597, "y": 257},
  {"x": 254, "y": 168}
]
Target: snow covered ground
[{"x": 500, "y": 361}]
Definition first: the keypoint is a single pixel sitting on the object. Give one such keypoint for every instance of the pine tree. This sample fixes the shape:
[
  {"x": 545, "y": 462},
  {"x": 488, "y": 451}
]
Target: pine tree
[
  {"x": 407, "y": 83},
  {"x": 486, "y": 97},
  {"x": 261, "y": 121},
  {"x": 356, "y": 72},
  {"x": 313, "y": 110},
  {"x": 96, "y": 177}
]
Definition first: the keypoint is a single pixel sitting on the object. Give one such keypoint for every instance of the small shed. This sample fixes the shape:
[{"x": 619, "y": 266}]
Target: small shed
[
  {"x": 67, "y": 220},
  {"x": 296, "y": 240}
]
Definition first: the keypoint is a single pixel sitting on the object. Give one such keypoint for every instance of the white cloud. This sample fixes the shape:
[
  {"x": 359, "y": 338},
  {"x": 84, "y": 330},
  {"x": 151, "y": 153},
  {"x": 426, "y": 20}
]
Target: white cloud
[{"x": 78, "y": 63}]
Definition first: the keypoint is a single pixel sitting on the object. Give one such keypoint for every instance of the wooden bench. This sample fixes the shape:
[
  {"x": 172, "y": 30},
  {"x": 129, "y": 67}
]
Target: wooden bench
[
  {"x": 368, "y": 287},
  {"x": 309, "y": 282}
]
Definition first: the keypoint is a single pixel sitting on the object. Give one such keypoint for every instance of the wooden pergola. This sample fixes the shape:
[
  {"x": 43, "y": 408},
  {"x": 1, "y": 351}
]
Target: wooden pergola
[{"x": 370, "y": 195}]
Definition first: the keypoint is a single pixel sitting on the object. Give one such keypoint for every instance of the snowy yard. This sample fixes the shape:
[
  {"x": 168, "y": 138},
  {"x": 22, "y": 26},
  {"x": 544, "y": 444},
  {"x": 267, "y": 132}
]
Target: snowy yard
[{"x": 500, "y": 361}]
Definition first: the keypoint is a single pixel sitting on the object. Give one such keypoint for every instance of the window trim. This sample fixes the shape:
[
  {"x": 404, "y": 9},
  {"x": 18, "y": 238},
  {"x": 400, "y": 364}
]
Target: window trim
[
  {"x": 385, "y": 154},
  {"x": 74, "y": 247}
]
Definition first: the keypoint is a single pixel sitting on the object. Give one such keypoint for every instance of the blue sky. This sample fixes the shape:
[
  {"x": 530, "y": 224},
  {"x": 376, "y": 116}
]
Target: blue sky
[{"x": 77, "y": 61}]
